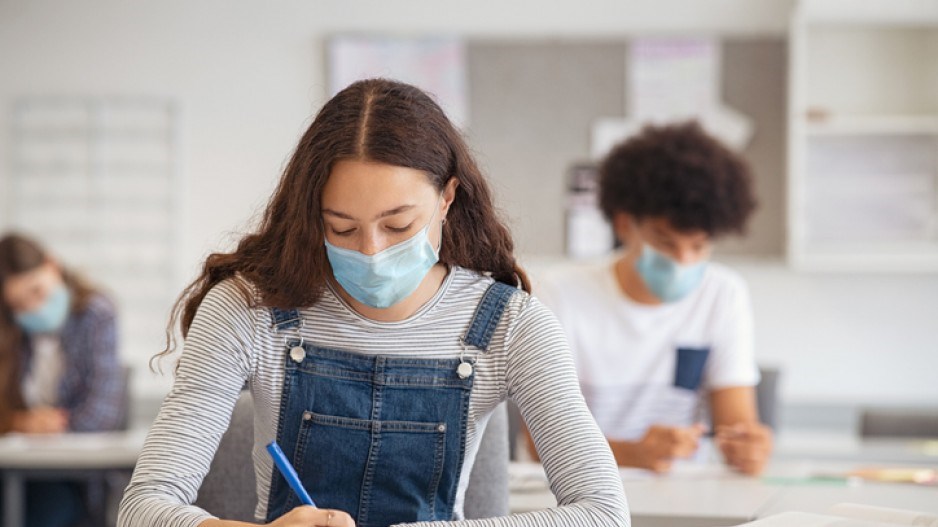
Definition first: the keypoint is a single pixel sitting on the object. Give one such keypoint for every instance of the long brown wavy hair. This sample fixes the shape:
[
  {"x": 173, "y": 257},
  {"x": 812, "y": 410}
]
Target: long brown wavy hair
[
  {"x": 18, "y": 255},
  {"x": 376, "y": 120}
]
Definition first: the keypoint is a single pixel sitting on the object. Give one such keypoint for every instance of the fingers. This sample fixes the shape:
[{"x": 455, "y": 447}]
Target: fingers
[
  {"x": 684, "y": 441},
  {"x": 336, "y": 518},
  {"x": 307, "y": 516},
  {"x": 43, "y": 421},
  {"x": 664, "y": 444},
  {"x": 333, "y": 518},
  {"x": 745, "y": 446}
]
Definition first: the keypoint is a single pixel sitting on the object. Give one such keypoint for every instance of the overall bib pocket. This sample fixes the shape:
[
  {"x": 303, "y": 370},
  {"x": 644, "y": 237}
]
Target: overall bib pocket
[{"x": 404, "y": 462}]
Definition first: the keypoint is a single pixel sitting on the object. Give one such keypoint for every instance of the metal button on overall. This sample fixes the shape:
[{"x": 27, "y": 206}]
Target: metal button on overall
[{"x": 297, "y": 353}]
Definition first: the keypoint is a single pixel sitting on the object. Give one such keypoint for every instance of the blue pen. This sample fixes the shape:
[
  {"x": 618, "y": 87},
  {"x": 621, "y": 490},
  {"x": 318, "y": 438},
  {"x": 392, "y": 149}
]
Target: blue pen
[{"x": 289, "y": 473}]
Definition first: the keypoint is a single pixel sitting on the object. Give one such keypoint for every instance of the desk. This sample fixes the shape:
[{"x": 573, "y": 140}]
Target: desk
[
  {"x": 692, "y": 495},
  {"x": 804, "y": 519},
  {"x": 819, "y": 500},
  {"x": 706, "y": 494},
  {"x": 833, "y": 446},
  {"x": 65, "y": 456}
]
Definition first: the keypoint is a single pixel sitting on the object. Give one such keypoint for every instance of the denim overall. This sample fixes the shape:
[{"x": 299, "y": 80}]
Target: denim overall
[{"x": 379, "y": 437}]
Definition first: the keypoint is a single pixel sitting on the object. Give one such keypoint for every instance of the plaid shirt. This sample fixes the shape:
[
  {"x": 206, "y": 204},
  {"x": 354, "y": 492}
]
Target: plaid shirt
[{"x": 92, "y": 388}]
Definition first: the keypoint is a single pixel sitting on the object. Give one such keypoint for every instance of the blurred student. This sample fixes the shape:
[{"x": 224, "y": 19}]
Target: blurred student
[
  {"x": 59, "y": 367},
  {"x": 661, "y": 334}
]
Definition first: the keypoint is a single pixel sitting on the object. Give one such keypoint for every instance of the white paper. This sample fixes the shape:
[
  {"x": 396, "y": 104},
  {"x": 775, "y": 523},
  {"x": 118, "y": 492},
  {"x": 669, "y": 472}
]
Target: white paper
[
  {"x": 885, "y": 514},
  {"x": 671, "y": 81},
  {"x": 435, "y": 65}
]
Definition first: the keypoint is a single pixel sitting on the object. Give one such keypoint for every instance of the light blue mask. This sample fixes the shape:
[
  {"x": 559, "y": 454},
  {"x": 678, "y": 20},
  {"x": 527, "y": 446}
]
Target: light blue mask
[
  {"x": 49, "y": 317},
  {"x": 385, "y": 278},
  {"x": 667, "y": 279}
]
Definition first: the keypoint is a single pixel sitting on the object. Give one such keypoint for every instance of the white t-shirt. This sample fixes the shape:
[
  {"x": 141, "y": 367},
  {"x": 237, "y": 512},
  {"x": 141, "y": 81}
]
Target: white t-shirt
[
  {"x": 41, "y": 384},
  {"x": 640, "y": 365}
]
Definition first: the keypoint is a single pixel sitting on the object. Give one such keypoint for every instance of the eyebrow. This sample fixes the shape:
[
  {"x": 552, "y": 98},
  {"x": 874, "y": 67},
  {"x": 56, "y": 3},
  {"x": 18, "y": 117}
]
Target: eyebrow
[{"x": 385, "y": 214}]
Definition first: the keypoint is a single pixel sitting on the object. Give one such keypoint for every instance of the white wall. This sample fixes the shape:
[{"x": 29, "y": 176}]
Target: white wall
[
  {"x": 250, "y": 75},
  {"x": 846, "y": 338}
]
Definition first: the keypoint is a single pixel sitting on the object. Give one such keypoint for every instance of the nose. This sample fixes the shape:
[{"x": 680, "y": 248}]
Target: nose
[
  {"x": 371, "y": 243},
  {"x": 686, "y": 256}
]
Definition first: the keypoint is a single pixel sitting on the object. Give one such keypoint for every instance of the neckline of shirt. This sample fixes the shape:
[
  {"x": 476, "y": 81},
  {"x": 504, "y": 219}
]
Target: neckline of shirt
[{"x": 423, "y": 310}]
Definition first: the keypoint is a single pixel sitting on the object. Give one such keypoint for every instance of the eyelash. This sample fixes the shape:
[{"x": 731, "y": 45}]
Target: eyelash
[{"x": 392, "y": 229}]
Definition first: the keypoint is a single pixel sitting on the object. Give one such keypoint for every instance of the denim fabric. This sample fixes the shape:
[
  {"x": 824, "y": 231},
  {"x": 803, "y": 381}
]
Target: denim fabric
[
  {"x": 379, "y": 437},
  {"x": 690, "y": 367}
]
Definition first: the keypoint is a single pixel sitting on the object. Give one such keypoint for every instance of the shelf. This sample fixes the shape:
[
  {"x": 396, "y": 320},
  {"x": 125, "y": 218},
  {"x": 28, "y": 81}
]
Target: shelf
[
  {"x": 870, "y": 257},
  {"x": 863, "y": 141},
  {"x": 874, "y": 125}
]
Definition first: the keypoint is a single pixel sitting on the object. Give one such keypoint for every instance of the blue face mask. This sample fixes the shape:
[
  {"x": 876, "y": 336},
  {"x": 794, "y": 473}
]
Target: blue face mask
[
  {"x": 49, "y": 317},
  {"x": 667, "y": 279},
  {"x": 387, "y": 277}
]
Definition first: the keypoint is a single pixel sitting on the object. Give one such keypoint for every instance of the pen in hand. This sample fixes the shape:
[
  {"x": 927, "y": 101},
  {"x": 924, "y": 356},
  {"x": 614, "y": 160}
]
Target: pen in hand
[{"x": 289, "y": 473}]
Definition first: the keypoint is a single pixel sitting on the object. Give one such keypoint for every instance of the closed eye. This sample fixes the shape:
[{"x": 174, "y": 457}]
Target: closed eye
[
  {"x": 401, "y": 229},
  {"x": 343, "y": 233}
]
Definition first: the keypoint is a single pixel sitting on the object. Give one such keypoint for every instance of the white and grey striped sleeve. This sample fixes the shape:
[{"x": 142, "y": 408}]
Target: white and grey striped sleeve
[
  {"x": 216, "y": 360},
  {"x": 583, "y": 475}
]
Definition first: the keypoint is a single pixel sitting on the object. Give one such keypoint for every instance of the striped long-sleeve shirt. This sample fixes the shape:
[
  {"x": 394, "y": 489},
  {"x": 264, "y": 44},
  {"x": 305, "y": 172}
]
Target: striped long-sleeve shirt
[{"x": 231, "y": 342}]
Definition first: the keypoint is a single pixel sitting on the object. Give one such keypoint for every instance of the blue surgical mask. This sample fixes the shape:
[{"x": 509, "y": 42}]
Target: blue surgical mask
[
  {"x": 50, "y": 316},
  {"x": 385, "y": 278},
  {"x": 667, "y": 279}
]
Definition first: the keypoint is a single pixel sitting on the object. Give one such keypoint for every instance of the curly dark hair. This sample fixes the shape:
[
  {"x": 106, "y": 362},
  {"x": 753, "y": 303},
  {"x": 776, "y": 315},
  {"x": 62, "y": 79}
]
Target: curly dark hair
[{"x": 680, "y": 173}]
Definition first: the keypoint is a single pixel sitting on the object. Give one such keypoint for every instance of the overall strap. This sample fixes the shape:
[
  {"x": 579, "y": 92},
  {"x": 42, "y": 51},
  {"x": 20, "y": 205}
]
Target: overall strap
[
  {"x": 487, "y": 315},
  {"x": 285, "y": 318}
]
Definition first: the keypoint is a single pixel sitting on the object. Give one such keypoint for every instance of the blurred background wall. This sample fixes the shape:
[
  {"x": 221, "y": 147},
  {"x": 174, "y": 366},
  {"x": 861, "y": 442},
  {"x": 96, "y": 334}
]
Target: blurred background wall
[{"x": 249, "y": 76}]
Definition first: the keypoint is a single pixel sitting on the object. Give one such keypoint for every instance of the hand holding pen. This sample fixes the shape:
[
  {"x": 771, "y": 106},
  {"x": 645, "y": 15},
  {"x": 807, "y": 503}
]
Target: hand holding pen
[
  {"x": 746, "y": 446},
  {"x": 308, "y": 515}
]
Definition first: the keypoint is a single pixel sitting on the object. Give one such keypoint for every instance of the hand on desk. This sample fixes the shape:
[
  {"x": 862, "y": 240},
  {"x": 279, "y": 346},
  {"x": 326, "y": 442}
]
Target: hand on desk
[
  {"x": 659, "y": 447},
  {"x": 43, "y": 420},
  {"x": 302, "y": 516},
  {"x": 746, "y": 446},
  {"x": 306, "y": 516}
]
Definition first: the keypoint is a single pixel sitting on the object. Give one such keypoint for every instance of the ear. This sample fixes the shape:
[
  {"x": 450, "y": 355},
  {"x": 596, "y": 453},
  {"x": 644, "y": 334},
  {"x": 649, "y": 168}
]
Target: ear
[
  {"x": 52, "y": 265},
  {"x": 622, "y": 225},
  {"x": 449, "y": 194}
]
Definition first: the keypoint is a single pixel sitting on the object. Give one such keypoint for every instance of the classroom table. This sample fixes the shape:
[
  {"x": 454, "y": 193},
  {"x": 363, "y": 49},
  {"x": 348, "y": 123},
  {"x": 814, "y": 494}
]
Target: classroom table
[
  {"x": 843, "y": 446},
  {"x": 818, "y": 499},
  {"x": 692, "y": 495},
  {"x": 64, "y": 456},
  {"x": 806, "y": 519},
  {"x": 704, "y": 493}
]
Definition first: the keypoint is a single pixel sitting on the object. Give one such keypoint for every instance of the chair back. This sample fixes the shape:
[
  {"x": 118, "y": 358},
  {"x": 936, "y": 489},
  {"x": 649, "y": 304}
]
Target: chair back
[
  {"x": 767, "y": 396},
  {"x": 899, "y": 422},
  {"x": 487, "y": 495},
  {"x": 229, "y": 490}
]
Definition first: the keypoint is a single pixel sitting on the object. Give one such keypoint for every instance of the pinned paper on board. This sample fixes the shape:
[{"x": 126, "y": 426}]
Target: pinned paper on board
[
  {"x": 436, "y": 65},
  {"x": 673, "y": 80}
]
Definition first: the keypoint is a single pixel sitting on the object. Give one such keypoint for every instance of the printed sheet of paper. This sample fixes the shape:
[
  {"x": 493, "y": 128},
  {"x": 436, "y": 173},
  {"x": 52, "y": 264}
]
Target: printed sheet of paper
[
  {"x": 436, "y": 65},
  {"x": 672, "y": 80}
]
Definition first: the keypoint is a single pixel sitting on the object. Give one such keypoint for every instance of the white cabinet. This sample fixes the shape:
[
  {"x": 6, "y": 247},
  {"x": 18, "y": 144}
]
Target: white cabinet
[{"x": 863, "y": 135}]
